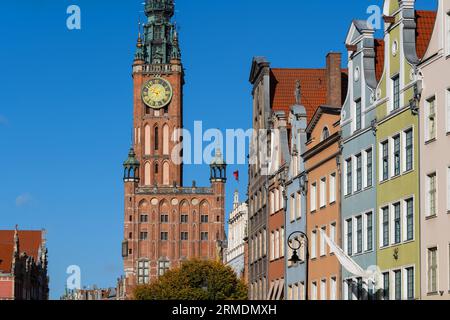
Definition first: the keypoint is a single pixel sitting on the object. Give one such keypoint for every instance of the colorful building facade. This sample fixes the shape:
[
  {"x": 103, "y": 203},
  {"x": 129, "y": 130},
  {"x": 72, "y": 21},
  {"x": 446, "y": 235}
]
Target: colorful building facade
[
  {"x": 358, "y": 188},
  {"x": 434, "y": 137},
  {"x": 398, "y": 211}
]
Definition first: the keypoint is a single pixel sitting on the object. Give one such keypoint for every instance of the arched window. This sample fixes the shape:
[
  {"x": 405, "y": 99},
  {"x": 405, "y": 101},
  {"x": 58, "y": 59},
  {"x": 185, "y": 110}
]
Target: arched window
[
  {"x": 147, "y": 180},
  {"x": 156, "y": 138},
  {"x": 147, "y": 140},
  {"x": 166, "y": 178},
  {"x": 166, "y": 139},
  {"x": 325, "y": 134},
  {"x": 156, "y": 168}
]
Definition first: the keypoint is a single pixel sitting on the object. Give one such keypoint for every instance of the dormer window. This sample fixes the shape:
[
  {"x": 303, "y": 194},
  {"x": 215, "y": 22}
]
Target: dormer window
[{"x": 325, "y": 134}]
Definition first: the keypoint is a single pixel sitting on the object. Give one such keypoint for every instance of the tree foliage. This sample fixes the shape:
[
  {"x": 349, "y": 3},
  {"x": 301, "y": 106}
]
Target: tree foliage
[{"x": 195, "y": 280}]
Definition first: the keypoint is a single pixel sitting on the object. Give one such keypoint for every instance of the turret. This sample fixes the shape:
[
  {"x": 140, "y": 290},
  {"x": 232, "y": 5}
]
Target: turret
[
  {"x": 131, "y": 167},
  {"x": 218, "y": 168}
]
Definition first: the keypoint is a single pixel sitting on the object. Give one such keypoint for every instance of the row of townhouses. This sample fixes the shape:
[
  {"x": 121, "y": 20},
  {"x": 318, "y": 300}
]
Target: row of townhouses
[{"x": 355, "y": 201}]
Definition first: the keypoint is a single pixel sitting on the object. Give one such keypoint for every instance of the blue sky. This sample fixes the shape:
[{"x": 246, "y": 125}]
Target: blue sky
[{"x": 66, "y": 103}]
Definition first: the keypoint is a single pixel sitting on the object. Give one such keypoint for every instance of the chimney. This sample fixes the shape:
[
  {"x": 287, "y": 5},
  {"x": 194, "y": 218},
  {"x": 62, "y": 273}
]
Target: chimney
[{"x": 334, "y": 79}]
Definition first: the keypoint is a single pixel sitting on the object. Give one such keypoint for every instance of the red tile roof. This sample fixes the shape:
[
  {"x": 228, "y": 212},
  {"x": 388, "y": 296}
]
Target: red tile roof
[
  {"x": 379, "y": 58},
  {"x": 314, "y": 88},
  {"x": 425, "y": 21},
  {"x": 29, "y": 243}
]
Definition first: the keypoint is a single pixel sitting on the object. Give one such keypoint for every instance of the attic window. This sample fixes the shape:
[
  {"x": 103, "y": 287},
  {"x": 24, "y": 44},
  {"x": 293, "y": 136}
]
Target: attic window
[{"x": 325, "y": 134}]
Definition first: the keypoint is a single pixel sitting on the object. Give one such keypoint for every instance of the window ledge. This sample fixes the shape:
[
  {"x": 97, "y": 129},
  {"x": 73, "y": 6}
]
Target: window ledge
[
  {"x": 434, "y": 216},
  {"x": 432, "y": 294},
  {"x": 429, "y": 141}
]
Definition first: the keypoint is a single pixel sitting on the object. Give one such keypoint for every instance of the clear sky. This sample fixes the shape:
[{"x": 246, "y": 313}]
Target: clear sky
[{"x": 66, "y": 105}]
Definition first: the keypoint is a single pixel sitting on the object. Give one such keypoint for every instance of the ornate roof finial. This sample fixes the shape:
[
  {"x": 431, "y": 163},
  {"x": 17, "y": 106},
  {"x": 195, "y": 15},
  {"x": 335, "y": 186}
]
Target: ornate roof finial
[{"x": 298, "y": 92}]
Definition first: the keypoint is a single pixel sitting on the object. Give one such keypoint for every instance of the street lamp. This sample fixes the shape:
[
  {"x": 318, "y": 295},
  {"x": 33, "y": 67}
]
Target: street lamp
[{"x": 295, "y": 258}]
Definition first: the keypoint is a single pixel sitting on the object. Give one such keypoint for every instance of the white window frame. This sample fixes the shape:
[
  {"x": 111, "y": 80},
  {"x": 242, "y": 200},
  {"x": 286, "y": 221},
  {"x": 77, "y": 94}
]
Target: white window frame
[
  {"x": 332, "y": 234},
  {"x": 323, "y": 289},
  {"x": 447, "y": 32},
  {"x": 447, "y": 98},
  {"x": 448, "y": 192},
  {"x": 322, "y": 242},
  {"x": 332, "y": 185},
  {"x": 298, "y": 205},
  {"x": 323, "y": 193},
  {"x": 428, "y": 195},
  {"x": 313, "y": 197},
  {"x": 313, "y": 244},
  {"x": 427, "y": 124},
  {"x": 272, "y": 246},
  {"x": 314, "y": 290},
  {"x": 293, "y": 207},
  {"x": 333, "y": 288}
]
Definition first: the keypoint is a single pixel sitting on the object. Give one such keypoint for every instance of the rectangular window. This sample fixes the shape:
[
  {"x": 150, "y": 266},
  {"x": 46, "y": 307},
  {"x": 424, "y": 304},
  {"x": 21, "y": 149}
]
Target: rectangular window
[
  {"x": 323, "y": 242},
  {"x": 204, "y": 236},
  {"x": 431, "y": 119},
  {"x": 313, "y": 197},
  {"x": 204, "y": 218},
  {"x": 349, "y": 237},
  {"x": 143, "y": 272},
  {"x": 298, "y": 205},
  {"x": 397, "y": 160},
  {"x": 314, "y": 291},
  {"x": 369, "y": 156},
  {"x": 448, "y": 33},
  {"x": 333, "y": 289},
  {"x": 447, "y": 102},
  {"x": 410, "y": 283},
  {"x": 333, "y": 188},
  {"x": 396, "y": 92},
  {"x": 448, "y": 189},
  {"x": 359, "y": 289},
  {"x": 398, "y": 284},
  {"x": 359, "y": 235},
  {"x": 409, "y": 149},
  {"x": 164, "y": 236},
  {"x": 349, "y": 189},
  {"x": 143, "y": 235},
  {"x": 184, "y": 236},
  {"x": 163, "y": 267},
  {"x": 349, "y": 289},
  {"x": 409, "y": 219},
  {"x": 184, "y": 218},
  {"x": 358, "y": 115},
  {"x": 369, "y": 225},
  {"x": 323, "y": 192},
  {"x": 164, "y": 218},
  {"x": 385, "y": 152},
  {"x": 277, "y": 244},
  {"x": 432, "y": 270},
  {"x": 431, "y": 195},
  {"x": 385, "y": 226},
  {"x": 359, "y": 176},
  {"x": 332, "y": 234},
  {"x": 292, "y": 208},
  {"x": 386, "y": 286},
  {"x": 282, "y": 239},
  {"x": 314, "y": 245},
  {"x": 272, "y": 245},
  {"x": 397, "y": 224},
  {"x": 143, "y": 218},
  {"x": 323, "y": 289}
]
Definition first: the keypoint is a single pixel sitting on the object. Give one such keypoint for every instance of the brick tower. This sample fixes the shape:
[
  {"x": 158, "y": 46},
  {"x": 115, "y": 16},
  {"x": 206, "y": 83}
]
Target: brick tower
[{"x": 164, "y": 222}]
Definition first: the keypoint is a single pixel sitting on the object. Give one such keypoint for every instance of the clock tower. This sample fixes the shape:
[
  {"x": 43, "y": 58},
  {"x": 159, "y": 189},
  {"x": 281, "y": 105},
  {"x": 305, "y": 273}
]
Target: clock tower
[{"x": 165, "y": 223}]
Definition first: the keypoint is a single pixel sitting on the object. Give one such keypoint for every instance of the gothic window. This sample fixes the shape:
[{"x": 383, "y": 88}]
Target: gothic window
[
  {"x": 156, "y": 138},
  {"x": 163, "y": 267},
  {"x": 147, "y": 139},
  {"x": 166, "y": 173},
  {"x": 143, "y": 272},
  {"x": 156, "y": 168},
  {"x": 166, "y": 139},
  {"x": 147, "y": 174}
]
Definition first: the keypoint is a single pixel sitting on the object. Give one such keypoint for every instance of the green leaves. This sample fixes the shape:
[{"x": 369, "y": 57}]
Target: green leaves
[{"x": 195, "y": 280}]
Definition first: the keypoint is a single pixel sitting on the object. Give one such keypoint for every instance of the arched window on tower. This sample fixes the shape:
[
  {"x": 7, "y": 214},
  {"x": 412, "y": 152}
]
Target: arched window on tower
[
  {"x": 147, "y": 140},
  {"x": 156, "y": 138},
  {"x": 147, "y": 180},
  {"x": 166, "y": 139},
  {"x": 156, "y": 168},
  {"x": 166, "y": 178}
]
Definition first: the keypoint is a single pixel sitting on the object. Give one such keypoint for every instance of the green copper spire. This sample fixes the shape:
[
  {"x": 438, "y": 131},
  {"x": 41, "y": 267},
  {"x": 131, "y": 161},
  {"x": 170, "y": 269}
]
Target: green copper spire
[
  {"x": 131, "y": 167},
  {"x": 160, "y": 43}
]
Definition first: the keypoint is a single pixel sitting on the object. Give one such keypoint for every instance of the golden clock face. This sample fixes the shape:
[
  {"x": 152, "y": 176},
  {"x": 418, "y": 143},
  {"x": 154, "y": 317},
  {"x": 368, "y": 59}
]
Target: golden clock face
[{"x": 157, "y": 93}]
